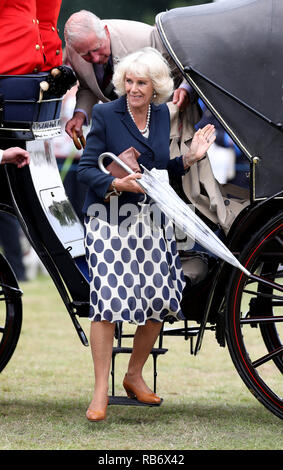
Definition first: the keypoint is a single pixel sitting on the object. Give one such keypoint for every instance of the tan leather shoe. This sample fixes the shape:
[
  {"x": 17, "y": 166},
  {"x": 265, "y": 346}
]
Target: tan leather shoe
[
  {"x": 97, "y": 415},
  {"x": 144, "y": 397}
]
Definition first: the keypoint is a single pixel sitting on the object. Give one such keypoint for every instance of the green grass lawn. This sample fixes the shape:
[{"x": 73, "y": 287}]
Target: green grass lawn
[{"x": 47, "y": 385}]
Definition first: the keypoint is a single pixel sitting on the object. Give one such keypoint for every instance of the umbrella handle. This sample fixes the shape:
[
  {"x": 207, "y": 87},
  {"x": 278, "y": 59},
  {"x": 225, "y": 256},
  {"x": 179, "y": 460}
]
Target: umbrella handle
[{"x": 116, "y": 159}]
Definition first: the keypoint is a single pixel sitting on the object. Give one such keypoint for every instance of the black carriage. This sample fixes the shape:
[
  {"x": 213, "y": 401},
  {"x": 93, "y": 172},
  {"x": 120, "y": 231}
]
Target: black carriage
[{"x": 235, "y": 67}]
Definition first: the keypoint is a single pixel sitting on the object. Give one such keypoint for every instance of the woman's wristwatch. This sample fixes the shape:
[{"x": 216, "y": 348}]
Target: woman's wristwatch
[
  {"x": 118, "y": 193},
  {"x": 112, "y": 192}
]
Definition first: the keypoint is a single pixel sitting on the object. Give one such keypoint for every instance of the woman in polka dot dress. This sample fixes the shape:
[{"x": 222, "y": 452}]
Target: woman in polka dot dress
[{"x": 135, "y": 270}]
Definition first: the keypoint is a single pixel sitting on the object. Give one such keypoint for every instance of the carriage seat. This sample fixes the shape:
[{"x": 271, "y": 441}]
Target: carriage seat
[
  {"x": 34, "y": 97},
  {"x": 20, "y": 100}
]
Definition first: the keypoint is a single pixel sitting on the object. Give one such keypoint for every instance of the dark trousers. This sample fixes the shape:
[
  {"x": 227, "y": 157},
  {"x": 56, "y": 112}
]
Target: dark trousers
[
  {"x": 10, "y": 243},
  {"x": 75, "y": 190}
]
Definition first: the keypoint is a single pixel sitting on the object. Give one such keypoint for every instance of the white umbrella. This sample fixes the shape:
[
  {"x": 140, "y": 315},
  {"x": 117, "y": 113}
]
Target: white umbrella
[{"x": 177, "y": 211}]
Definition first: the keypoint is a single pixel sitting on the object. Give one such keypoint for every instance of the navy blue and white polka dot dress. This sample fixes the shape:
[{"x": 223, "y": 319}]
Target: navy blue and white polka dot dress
[{"x": 134, "y": 277}]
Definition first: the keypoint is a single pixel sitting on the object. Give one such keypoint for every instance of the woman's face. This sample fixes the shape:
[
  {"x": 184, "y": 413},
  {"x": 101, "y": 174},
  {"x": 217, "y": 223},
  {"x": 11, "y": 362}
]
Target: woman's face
[{"x": 139, "y": 91}]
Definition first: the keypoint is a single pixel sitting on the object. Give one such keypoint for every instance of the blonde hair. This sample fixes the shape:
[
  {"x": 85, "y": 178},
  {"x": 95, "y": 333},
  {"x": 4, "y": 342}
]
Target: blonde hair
[{"x": 146, "y": 63}]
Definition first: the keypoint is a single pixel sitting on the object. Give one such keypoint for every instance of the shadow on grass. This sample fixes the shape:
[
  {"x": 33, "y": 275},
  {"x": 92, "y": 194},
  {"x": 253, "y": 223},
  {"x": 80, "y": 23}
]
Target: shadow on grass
[{"x": 167, "y": 414}]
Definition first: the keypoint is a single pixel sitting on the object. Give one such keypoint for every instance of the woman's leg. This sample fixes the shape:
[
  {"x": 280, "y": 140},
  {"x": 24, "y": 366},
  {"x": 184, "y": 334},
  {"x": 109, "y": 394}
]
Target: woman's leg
[
  {"x": 101, "y": 340},
  {"x": 144, "y": 340}
]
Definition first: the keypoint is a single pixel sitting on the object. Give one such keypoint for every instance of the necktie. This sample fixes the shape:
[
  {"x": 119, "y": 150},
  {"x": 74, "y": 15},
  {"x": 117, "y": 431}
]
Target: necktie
[{"x": 104, "y": 75}]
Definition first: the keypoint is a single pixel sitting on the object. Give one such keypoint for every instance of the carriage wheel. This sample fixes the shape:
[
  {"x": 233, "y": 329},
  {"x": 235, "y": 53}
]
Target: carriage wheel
[
  {"x": 10, "y": 313},
  {"x": 254, "y": 316}
]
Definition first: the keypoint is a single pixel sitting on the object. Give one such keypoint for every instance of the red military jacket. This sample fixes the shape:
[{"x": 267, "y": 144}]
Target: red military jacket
[
  {"x": 47, "y": 12},
  {"x": 21, "y": 48}
]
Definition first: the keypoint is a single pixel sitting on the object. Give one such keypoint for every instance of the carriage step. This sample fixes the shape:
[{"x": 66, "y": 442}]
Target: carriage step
[
  {"x": 155, "y": 352},
  {"x": 180, "y": 332},
  {"x": 125, "y": 401},
  {"x": 126, "y": 350}
]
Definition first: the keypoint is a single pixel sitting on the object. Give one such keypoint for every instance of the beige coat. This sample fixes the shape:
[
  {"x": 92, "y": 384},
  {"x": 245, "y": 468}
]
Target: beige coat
[{"x": 199, "y": 184}]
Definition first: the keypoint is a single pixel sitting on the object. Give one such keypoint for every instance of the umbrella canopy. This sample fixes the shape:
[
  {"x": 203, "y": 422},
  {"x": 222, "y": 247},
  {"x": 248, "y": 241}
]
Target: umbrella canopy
[{"x": 177, "y": 211}]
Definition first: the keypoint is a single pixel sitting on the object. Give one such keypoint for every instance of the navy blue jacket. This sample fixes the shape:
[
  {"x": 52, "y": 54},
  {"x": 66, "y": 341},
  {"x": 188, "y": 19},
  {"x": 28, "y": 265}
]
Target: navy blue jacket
[{"x": 113, "y": 130}]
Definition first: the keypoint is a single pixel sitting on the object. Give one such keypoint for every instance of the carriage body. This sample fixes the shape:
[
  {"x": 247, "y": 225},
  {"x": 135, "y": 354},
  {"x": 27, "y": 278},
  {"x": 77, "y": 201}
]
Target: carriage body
[{"x": 236, "y": 69}]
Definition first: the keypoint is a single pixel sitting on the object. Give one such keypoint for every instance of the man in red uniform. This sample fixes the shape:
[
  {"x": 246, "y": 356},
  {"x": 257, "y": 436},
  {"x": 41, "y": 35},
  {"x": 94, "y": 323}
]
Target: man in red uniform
[
  {"x": 29, "y": 40},
  {"x": 47, "y": 12},
  {"x": 21, "y": 48}
]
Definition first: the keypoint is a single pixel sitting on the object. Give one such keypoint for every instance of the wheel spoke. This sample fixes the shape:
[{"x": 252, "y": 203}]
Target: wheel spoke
[
  {"x": 261, "y": 319},
  {"x": 267, "y": 275},
  {"x": 11, "y": 289},
  {"x": 268, "y": 357},
  {"x": 263, "y": 294},
  {"x": 267, "y": 282}
]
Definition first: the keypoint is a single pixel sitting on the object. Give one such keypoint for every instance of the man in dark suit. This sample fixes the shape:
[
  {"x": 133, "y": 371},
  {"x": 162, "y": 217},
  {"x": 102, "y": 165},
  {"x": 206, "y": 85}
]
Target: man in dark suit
[{"x": 9, "y": 233}]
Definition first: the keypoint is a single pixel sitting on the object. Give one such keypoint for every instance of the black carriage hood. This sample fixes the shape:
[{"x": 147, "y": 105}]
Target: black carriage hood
[{"x": 231, "y": 52}]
